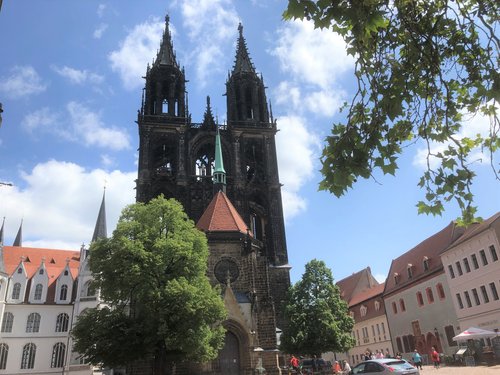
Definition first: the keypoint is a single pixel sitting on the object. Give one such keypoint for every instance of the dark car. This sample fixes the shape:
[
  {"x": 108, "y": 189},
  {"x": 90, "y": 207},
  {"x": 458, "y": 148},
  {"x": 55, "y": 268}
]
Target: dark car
[
  {"x": 322, "y": 367},
  {"x": 385, "y": 366}
]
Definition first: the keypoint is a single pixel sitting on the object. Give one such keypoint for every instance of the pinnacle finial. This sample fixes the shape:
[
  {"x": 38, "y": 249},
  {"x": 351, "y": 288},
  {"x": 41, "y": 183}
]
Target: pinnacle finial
[{"x": 240, "y": 29}]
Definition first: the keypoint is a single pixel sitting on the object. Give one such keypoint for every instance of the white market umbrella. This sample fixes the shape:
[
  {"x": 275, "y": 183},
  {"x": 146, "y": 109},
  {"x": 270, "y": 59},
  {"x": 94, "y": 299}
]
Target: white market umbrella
[{"x": 474, "y": 333}]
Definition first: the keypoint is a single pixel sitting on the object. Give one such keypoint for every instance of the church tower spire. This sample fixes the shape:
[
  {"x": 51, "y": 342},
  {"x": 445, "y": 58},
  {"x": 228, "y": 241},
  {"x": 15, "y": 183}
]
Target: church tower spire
[
  {"x": 166, "y": 55},
  {"x": 18, "y": 241},
  {"x": 100, "y": 230},
  {"x": 245, "y": 91},
  {"x": 219, "y": 171}
]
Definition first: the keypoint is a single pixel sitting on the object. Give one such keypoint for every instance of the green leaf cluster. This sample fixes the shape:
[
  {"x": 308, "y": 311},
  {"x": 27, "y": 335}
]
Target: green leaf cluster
[
  {"x": 317, "y": 317},
  {"x": 152, "y": 273},
  {"x": 421, "y": 66}
]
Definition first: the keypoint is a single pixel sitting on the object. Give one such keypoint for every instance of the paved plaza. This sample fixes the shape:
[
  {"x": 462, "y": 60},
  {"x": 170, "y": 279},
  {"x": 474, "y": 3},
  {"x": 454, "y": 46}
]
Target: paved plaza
[{"x": 477, "y": 370}]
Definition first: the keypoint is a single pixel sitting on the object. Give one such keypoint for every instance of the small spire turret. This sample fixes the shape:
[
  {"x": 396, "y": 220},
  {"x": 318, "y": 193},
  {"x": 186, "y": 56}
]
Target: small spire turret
[
  {"x": 100, "y": 230},
  {"x": 243, "y": 63},
  {"x": 219, "y": 177},
  {"x": 18, "y": 241},
  {"x": 166, "y": 54}
]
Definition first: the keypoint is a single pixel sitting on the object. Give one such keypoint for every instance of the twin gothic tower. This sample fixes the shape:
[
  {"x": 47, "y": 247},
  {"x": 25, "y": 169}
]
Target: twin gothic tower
[{"x": 177, "y": 158}]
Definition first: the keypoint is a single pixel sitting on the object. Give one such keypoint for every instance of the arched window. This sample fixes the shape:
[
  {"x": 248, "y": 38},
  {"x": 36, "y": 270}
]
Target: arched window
[
  {"x": 362, "y": 310},
  {"x": 28, "y": 359},
  {"x": 41, "y": 271},
  {"x": 88, "y": 290},
  {"x": 62, "y": 322},
  {"x": 402, "y": 304},
  {"x": 430, "y": 295},
  {"x": 394, "y": 308},
  {"x": 426, "y": 263},
  {"x": 38, "y": 292},
  {"x": 377, "y": 305},
  {"x": 58, "y": 352},
  {"x": 398, "y": 344},
  {"x": 64, "y": 292},
  {"x": 4, "y": 353},
  {"x": 16, "y": 291},
  {"x": 440, "y": 291},
  {"x": 420, "y": 299},
  {"x": 33, "y": 323},
  {"x": 406, "y": 344},
  {"x": 164, "y": 106},
  {"x": 19, "y": 270},
  {"x": 7, "y": 322}
]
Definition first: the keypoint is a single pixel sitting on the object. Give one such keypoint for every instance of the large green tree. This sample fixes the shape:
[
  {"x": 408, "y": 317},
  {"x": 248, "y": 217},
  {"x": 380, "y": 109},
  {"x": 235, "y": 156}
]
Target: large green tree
[
  {"x": 423, "y": 68},
  {"x": 152, "y": 275},
  {"x": 317, "y": 317}
]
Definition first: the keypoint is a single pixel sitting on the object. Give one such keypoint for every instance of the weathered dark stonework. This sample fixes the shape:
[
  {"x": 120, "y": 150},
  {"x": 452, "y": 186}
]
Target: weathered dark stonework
[{"x": 176, "y": 159}]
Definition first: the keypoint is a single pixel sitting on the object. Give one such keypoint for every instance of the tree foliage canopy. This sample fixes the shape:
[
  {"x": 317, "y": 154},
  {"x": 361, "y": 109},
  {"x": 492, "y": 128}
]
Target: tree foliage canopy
[
  {"x": 318, "y": 318},
  {"x": 152, "y": 274},
  {"x": 424, "y": 68}
]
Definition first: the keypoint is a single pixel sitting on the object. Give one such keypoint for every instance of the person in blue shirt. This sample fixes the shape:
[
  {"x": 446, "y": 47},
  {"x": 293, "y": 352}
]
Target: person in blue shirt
[{"x": 417, "y": 359}]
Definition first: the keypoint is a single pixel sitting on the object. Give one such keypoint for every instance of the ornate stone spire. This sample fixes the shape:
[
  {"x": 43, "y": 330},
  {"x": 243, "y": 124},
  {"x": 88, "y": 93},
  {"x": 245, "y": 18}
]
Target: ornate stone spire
[
  {"x": 243, "y": 63},
  {"x": 100, "y": 230},
  {"x": 208, "y": 117},
  {"x": 166, "y": 55},
  {"x": 219, "y": 171}
]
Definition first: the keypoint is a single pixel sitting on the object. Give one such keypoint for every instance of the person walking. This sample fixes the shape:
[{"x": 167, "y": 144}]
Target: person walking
[
  {"x": 294, "y": 363},
  {"x": 347, "y": 367},
  {"x": 435, "y": 357},
  {"x": 336, "y": 368},
  {"x": 417, "y": 359}
]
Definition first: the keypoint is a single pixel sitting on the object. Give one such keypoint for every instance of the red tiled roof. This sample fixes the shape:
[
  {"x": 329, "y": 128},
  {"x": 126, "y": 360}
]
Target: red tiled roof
[
  {"x": 221, "y": 216},
  {"x": 430, "y": 248},
  {"x": 367, "y": 294},
  {"x": 476, "y": 228},
  {"x": 356, "y": 282},
  {"x": 55, "y": 261}
]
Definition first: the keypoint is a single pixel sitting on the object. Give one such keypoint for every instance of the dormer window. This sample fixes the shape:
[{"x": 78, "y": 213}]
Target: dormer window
[
  {"x": 19, "y": 270},
  {"x": 351, "y": 313},
  {"x": 66, "y": 273},
  {"x": 362, "y": 310},
  {"x": 64, "y": 293},
  {"x": 409, "y": 269},
  {"x": 41, "y": 271},
  {"x": 377, "y": 305},
  {"x": 396, "y": 278},
  {"x": 426, "y": 263},
  {"x": 38, "y": 292}
]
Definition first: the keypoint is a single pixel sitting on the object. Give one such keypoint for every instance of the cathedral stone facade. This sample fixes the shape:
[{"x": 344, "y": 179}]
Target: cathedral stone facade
[{"x": 226, "y": 177}]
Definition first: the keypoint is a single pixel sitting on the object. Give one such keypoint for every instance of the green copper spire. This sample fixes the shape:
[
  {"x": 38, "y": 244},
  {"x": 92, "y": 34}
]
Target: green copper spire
[{"x": 219, "y": 172}]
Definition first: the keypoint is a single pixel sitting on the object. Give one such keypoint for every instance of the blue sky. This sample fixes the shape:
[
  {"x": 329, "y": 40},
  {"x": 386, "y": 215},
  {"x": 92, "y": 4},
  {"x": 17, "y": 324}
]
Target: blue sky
[{"x": 70, "y": 84}]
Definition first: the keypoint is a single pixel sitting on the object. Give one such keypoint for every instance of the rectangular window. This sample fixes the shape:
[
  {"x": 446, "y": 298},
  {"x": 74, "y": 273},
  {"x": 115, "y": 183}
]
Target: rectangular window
[
  {"x": 373, "y": 330},
  {"x": 459, "y": 300},
  {"x": 483, "y": 258},
  {"x": 450, "y": 270},
  {"x": 466, "y": 265},
  {"x": 378, "y": 329},
  {"x": 493, "y": 252},
  {"x": 476, "y": 296},
  {"x": 383, "y": 328},
  {"x": 467, "y": 299},
  {"x": 459, "y": 268},
  {"x": 474, "y": 261},
  {"x": 494, "y": 292},
  {"x": 450, "y": 333},
  {"x": 485, "y": 294}
]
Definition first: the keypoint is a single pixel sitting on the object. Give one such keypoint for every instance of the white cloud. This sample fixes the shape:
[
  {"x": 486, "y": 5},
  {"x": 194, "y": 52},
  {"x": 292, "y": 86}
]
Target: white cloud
[
  {"x": 297, "y": 150},
  {"x": 100, "y": 30},
  {"x": 211, "y": 24},
  {"x": 78, "y": 76},
  {"x": 312, "y": 55},
  {"x": 77, "y": 124},
  {"x": 136, "y": 51},
  {"x": 23, "y": 81},
  {"x": 100, "y": 10},
  {"x": 60, "y": 202},
  {"x": 472, "y": 125},
  {"x": 88, "y": 125}
]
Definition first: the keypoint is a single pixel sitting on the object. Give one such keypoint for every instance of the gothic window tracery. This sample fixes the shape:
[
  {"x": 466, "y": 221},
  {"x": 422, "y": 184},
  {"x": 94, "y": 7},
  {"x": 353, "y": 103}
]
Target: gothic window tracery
[
  {"x": 204, "y": 162},
  {"x": 164, "y": 158}
]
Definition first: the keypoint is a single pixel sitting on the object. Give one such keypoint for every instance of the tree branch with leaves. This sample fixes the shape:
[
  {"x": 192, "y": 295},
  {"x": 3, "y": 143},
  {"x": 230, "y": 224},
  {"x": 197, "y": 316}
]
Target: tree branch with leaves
[{"x": 424, "y": 68}]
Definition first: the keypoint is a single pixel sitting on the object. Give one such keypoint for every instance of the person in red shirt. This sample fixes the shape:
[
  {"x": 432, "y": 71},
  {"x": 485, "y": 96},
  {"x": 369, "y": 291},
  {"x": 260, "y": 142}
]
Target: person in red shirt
[
  {"x": 435, "y": 357},
  {"x": 294, "y": 362}
]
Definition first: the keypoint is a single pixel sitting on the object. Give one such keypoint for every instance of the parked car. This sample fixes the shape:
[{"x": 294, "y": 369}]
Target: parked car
[
  {"x": 322, "y": 367},
  {"x": 384, "y": 366}
]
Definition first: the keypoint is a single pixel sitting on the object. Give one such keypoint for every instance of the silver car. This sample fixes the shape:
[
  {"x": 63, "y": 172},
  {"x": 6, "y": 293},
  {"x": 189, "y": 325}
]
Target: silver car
[{"x": 384, "y": 366}]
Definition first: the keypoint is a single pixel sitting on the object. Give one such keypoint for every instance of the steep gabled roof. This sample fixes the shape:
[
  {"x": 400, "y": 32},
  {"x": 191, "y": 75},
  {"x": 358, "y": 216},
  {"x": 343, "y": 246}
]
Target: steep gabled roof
[
  {"x": 476, "y": 228},
  {"x": 13, "y": 255},
  {"x": 221, "y": 216},
  {"x": 366, "y": 294},
  {"x": 355, "y": 283},
  {"x": 430, "y": 248}
]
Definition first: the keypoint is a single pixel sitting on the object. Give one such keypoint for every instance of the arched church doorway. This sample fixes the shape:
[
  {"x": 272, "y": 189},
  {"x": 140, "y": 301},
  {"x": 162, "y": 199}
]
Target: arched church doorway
[{"x": 229, "y": 357}]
